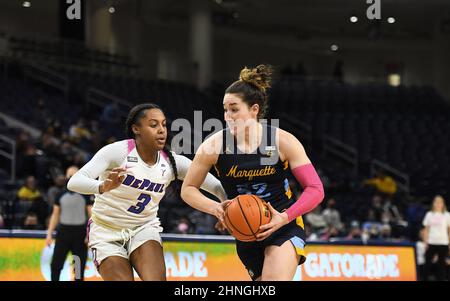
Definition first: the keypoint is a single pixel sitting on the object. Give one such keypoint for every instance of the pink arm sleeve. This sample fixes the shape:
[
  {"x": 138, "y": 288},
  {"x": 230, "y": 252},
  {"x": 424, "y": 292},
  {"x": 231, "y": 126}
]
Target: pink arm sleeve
[{"x": 313, "y": 192}]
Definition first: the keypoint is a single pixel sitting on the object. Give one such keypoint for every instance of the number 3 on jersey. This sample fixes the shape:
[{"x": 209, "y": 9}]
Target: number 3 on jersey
[{"x": 140, "y": 206}]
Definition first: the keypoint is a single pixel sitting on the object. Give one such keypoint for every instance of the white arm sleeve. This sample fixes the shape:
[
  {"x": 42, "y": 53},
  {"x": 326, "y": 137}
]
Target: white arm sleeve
[
  {"x": 211, "y": 183},
  {"x": 85, "y": 180}
]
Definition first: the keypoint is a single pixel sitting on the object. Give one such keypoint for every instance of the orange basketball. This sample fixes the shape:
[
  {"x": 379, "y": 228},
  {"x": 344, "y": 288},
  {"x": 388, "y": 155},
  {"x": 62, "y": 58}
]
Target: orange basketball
[{"x": 244, "y": 215}]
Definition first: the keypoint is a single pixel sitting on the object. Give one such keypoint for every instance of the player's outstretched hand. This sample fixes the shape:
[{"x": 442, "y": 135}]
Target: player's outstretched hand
[
  {"x": 278, "y": 220},
  {"x": 115, "y": 178}
]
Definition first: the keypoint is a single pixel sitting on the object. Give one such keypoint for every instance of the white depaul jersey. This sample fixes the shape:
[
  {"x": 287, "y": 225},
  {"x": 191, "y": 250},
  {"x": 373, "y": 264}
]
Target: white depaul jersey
[{"x": 135, "y": 202}]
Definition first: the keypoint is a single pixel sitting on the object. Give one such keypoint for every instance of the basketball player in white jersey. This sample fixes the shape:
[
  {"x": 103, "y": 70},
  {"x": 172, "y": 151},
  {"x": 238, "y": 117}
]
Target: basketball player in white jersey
[{"x": 124, "y": 231}]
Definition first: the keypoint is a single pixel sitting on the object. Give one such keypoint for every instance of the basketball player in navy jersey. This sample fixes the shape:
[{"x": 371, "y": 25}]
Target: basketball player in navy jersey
[{"x": 241, "y": 156}]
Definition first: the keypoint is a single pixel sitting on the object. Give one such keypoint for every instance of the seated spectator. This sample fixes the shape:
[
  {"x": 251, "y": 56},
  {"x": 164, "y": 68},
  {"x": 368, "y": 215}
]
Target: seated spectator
[
  {"x": 48, "y": 145},
  {"x": 31, "y": 222},
  {"x": 183, "y": 226},
  {"x": 310, "y": 236},
  {"x": 29, "y": 190},
  {"x": 317, "y": 221},
  {"x": 377, "y": 207},
  {"x": 79, "y": 131},
  {"x": 203, "y": 223},
  {"x": 40, "y": 207},
  {"x": 332, "y": 216},
  {"x": 385, "y": 232},
  {"x": 371, "y": 226},
  {"x": 391, "y": 216},
  {"x": 355, "y": 231},
  {"x": 383, "y": 183},
  {"x": 331, "y": 232}
]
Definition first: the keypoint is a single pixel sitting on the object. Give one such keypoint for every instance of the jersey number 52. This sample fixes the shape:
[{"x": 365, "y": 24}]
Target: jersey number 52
[{"x": 140, "y": 206}]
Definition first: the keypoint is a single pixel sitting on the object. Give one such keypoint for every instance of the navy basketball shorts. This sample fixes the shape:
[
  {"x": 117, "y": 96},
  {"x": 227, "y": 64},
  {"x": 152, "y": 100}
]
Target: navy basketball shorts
[{"x": 252, "y": 253}]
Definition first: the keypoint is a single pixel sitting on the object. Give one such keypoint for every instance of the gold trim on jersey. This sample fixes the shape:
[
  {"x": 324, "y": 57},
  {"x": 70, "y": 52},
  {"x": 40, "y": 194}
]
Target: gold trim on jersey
[
  {"x": 250, "y": 173},
  {"x": 285, "y": 164},
  {"x": 299, "y": 222}
]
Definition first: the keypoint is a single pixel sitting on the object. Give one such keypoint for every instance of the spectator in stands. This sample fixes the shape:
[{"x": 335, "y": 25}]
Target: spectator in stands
[
  {"x": 385, "y": 232},
  {"x": 330, "y": 233},
  {"x": 383, "y": 183},
  {"x": 437, "y": 229},
  {"x": 332, "y": 216},
  {"x": 377, "y": 207},
  {"x": 371, "y": 226},
  {"x": 54, "y": 129},
  {"x": 355, "y": 231},
  {"x": 29, "y": 190},
  {"x": 40, "y": 208},
  {"x": 420, "y": 255},
  {"x": 203, "y": 223},
  {"x": 59, "y": 183},
  {"x": 48, "y": 145},
  {"x": 391, "y": 216},
  {"x": 28, "y": 161},
  {"x": 309, "y": 234},
  {"x": 183, "y": 226},
  {"x": 317, "y": 221},
  {"x": 31, "y": 222},
  {"x": 79, "y": 131},
  {"x": 22, "y": 141}
]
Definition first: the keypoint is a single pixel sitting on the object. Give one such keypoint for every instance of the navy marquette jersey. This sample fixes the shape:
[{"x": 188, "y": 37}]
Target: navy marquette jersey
[{"x": 245, "y": 174}]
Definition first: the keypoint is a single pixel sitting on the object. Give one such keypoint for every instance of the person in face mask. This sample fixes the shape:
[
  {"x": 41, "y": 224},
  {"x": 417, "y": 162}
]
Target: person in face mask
[{"x": 332, "y": 216}]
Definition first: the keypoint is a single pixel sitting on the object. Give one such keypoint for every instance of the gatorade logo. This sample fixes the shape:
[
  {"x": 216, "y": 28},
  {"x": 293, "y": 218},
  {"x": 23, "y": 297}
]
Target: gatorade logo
[{"x": 347, "y": 266}]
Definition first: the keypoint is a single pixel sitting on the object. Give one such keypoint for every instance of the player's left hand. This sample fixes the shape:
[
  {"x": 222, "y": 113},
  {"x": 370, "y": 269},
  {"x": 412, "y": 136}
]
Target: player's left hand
[{"x": 278, "y": 220}]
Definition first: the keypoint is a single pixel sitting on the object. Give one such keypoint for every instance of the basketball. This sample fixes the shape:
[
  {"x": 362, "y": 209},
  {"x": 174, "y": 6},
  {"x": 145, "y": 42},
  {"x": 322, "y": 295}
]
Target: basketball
[{"x": 244, "y": 215}]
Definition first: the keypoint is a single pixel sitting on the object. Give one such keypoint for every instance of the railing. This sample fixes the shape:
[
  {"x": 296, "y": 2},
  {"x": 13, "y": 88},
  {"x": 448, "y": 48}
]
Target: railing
[
  {"x": 303, "y": 129},
  {"x": 402, "y": 178},
  {"x": 49, "y": 77},
  {"x": 101, "y": 99},
  {"x": 58, "y": 51},
  {"x": 9, "y": 155},
  {"x": 343, "y": 151}
]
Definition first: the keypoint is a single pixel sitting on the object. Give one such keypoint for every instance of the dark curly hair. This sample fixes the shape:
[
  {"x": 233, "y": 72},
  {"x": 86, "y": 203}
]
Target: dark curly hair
[{"x": 135, "y": 115}]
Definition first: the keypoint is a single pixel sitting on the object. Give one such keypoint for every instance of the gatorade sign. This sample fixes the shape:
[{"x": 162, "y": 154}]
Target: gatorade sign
[{"x": 350, "y": 263}]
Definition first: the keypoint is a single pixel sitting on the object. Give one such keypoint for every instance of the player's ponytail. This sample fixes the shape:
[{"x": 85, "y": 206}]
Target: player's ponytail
[
  {"x": 135, "y": 115},
  {"x": 173, "y": 164},
  {"x": 252, "y": 87}
]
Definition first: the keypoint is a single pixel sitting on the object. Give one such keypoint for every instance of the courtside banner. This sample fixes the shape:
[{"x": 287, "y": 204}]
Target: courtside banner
[{"x": 204, "y": 258}]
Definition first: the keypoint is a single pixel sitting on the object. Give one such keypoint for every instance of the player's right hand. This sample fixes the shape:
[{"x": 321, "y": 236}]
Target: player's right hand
[
  {"x": 48, "y": 241},
  {"x": 114, "y": 180}
]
